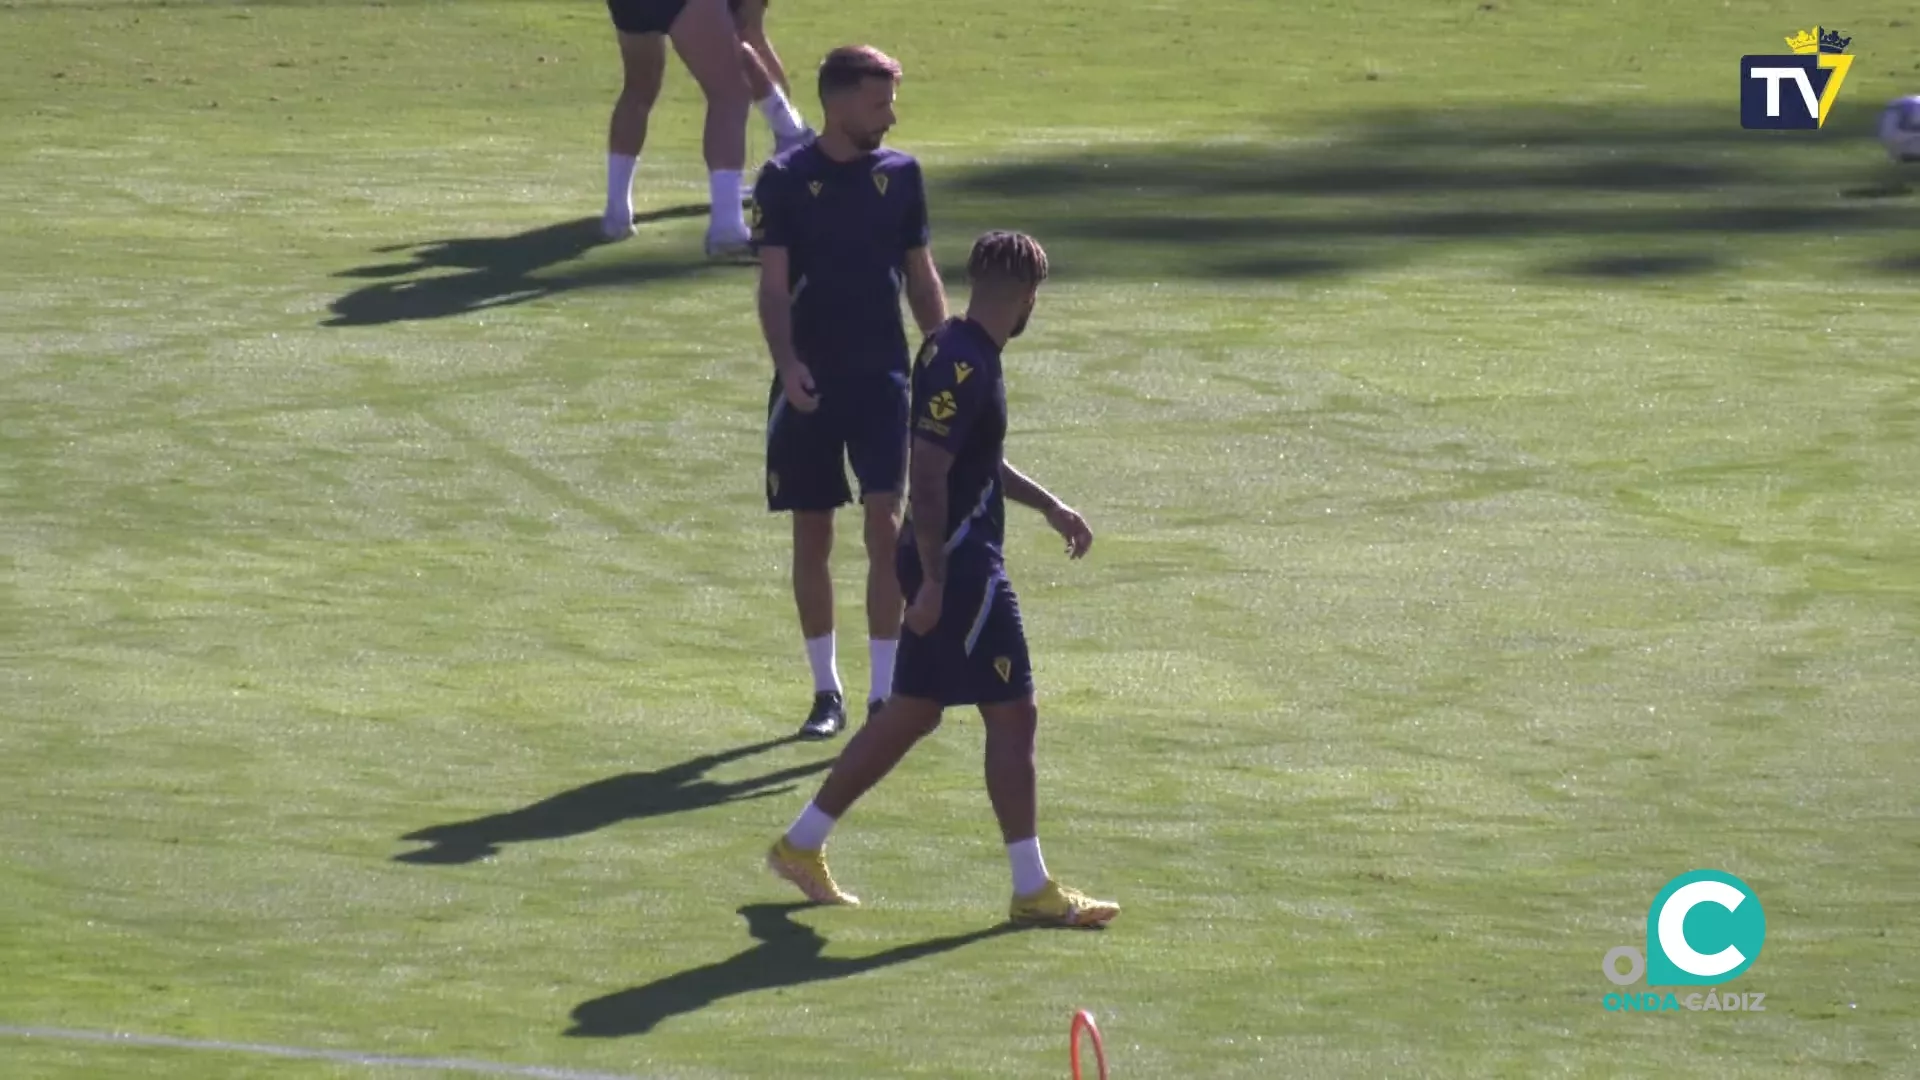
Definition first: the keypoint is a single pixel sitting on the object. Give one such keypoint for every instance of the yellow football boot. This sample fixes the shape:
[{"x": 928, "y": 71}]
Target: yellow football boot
[
  {"x": 807, "y": 870},
  {"x": 1057, "y": 905}
]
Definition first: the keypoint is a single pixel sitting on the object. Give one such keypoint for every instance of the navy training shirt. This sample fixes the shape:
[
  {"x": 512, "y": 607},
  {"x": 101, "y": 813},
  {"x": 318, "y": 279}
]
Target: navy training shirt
[
  {"x": 847, "y": 227},
  {"x": 960, "y": 405}
]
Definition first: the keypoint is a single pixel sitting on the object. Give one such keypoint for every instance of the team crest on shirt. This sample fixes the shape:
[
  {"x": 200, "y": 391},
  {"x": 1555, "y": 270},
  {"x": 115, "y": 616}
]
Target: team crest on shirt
[
  {"x": 960, "y": 373},
  {"x": 942, "y": 406},
  {"x": 880, "y": 182},
  {"x": 814, "y": 186},
  {"x": 1003, "y": 667}
]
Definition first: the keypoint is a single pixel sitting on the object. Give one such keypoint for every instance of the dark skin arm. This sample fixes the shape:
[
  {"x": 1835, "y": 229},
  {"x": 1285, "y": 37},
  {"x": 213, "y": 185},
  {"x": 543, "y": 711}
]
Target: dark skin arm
[
  {"x": 927, "y": 505},
  {"x": 1065, "y": 520},
  {"x": 927, "y": 496}
]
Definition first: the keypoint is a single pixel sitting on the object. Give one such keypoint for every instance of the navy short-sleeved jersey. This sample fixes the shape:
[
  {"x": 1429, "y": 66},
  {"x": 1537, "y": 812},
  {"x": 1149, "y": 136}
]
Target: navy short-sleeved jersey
[
  {"x": 960, "y": 405},
  {"x": 847, "y": 227}
]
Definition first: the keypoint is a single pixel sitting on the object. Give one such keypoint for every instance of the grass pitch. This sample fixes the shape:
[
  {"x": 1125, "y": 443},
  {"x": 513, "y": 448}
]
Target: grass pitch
[{"x": 1504, "y": 471}]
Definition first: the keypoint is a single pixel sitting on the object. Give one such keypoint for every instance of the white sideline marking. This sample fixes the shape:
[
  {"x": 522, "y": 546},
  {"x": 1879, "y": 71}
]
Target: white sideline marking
[{"x": 347, "y": 1057}]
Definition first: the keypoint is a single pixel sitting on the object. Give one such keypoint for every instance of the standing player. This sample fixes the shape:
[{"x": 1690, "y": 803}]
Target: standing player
[
  {"x": 703, "y": 33},
  {"x": 841, "y": 225},
  {"x": 963, "y": 643}
]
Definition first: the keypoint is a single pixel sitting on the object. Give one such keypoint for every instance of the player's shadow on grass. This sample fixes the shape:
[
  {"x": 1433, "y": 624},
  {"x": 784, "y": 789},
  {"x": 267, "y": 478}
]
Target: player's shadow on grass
[
  {"x": 1579, "y": 193},
  {"x": 629, "y": 796},
  {"x": 789, "y": 954},
  {"x": 497, "y": 271}
]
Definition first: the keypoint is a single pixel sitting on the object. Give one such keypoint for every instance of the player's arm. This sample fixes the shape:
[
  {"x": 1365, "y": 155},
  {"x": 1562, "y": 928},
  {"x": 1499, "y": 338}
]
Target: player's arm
[
  {"x": 1066, "y": 521},
  {"x": 944, "y": 412},
  {"x": 1025, "y": 490},
  {"x": 927, "y": 504},
  {"x": 776, "y": 308},
  {"x": 926, "y": 295},
  {"x": 770, "y": 233}
]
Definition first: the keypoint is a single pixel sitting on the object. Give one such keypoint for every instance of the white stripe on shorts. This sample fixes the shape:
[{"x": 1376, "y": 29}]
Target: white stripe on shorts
[
  {"x": 773, "y": 418},
  {"x": 980, "y": 617}
]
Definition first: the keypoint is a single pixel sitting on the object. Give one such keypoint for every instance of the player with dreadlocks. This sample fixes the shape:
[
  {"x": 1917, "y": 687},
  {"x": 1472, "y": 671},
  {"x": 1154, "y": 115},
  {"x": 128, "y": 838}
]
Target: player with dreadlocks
[{"x": 962, "y": 643}]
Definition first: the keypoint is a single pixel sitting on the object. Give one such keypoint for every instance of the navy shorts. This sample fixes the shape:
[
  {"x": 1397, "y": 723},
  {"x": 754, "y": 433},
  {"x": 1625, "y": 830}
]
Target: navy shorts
[
  {"x": 977, "y": 653},
  {"x": 644, "y": 16},
  {"x": 861, "y": 420}
]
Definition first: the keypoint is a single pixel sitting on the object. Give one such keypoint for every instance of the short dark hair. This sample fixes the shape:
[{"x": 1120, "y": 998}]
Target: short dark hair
[
  {"x": 1004, "y": 256},
  {"x": 850, "y": 65}
]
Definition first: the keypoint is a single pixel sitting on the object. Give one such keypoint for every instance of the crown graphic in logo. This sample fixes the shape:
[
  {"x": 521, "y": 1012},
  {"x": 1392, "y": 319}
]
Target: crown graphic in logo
[{"x": 1819, "y": 39}]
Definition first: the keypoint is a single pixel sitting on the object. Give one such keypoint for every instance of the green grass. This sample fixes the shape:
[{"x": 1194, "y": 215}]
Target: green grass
[{"x": 1504, "y": 470}]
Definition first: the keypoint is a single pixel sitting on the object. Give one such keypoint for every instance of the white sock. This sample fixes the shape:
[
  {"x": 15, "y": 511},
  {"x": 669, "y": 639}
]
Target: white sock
[
  {"x": 809, "y": 830},
  {"x": 826, "y": 673},
  {"x": 1029, "y": 870},
  {"x": 620, "y": 168},
  {"x": 729, "y": 217},
  {"x": 781, "y": 115},
  {"x": 880, "y": 684}
]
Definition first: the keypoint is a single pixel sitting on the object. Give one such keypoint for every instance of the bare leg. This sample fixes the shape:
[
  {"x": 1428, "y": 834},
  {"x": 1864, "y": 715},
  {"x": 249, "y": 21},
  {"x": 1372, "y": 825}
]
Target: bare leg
[
  {"x": 751, "y": 18},
  {"x": 759, "y": 83},
  {"x": 870, "y": 755},
  {"x": 766, "y": 77},
  {"x": 704, "y": 37},
  {"x": 874, "y": 750},
  {"x": 885, "y": 605},
  {"x": 1011, "y": 729},
  {"x": 812, "y": 573},
  {"x": 643, "y": 58}
]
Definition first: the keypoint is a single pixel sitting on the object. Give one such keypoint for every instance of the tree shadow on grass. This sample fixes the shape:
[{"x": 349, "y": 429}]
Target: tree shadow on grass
[
  {"x": 1595, "y": 194},
  {"x": 1582, "y": 193}
]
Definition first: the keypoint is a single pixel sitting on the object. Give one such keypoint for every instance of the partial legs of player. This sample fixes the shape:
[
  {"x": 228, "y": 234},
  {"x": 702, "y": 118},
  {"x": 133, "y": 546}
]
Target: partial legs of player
[
  {"x": 884, "y": 601},
  {"x": 880, "y": 745},
  {"x": 767, "y": 78},
  {"x": 1038, "y": 899},
  {"x": 705, "y": 38},
  {"x": 643, "y": 58},
  {"x": 813, "y": 597},
  {"x": 870, "y": 755},
  {"x": 750, "y": 16},
  {"x": 703, "y": 34}
]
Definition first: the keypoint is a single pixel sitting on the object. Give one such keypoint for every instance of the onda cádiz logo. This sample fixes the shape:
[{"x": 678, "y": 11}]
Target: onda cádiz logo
[{"x": 1705, "y": 928}]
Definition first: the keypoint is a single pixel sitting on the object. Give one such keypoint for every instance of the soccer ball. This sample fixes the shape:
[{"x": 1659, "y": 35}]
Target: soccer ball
[{"x": 1900, "y": 129}]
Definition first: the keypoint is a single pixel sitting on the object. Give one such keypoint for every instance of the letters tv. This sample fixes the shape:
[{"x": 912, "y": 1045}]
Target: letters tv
[{"x": 1781, "y": 92}]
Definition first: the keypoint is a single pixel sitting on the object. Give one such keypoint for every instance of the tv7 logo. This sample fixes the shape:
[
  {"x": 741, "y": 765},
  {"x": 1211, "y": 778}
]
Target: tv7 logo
[{"x": 1794, "y": 93}]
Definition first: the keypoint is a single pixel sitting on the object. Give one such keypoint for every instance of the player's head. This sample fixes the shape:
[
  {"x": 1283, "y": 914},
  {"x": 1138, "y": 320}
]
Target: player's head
[
  {"x": 1005, "y": 270},
  {"x": 857, "y": 83}
]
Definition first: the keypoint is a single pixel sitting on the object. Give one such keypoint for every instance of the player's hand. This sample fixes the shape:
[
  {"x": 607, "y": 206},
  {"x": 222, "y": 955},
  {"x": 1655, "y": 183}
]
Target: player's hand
[
  {"x": 797, "y": 382},
  {"x": 1073, "y": 528},
  {"x": 924, "y": 613}
]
